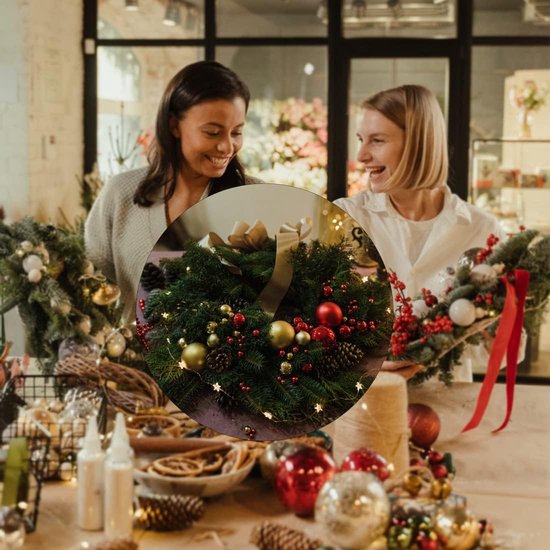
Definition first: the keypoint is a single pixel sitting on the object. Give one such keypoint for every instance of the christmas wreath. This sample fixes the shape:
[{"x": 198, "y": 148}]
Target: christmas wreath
[
  {"x": 62, "y": 299},
  {"x": 486, "y": 283},
  {"x": 213, "y": 333}
]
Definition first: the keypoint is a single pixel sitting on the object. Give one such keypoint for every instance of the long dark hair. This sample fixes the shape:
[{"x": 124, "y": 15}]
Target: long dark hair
[{"x": 195, "y": 83}]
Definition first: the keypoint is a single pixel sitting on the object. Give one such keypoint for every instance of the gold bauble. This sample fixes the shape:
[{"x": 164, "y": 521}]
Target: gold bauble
[
  {"x": 194, "y": 356},
  {"x": 457, "y": 526},
  {"x": 211, "y": 327},
  {"x": 281, "y": 334},
  {"x": 116, "y": 345},
  {"x": 441, "y": 489},
  {"x": 213, "y": 341},
  {"x": 302, "y": 338},
  {"x": 286, "y": 367},
  {"x": 55, "y": 269},
  {"x": 412, "y": 483},
  {"x": 85, "y": 324},
  {"x": 225, "y": 309},
  {"x": 182, "y": 342},
  {"x": 106, "y": 294}
]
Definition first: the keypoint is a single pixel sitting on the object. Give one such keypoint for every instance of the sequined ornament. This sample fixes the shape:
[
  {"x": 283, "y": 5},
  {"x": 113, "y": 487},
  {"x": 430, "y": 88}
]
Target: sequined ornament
[{"x": 353, "y": 509}]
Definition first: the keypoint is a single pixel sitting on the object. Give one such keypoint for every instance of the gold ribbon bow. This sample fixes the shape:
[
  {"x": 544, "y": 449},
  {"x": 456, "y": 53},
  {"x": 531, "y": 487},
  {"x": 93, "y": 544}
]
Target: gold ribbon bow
[{"x": 246, "y": 237}]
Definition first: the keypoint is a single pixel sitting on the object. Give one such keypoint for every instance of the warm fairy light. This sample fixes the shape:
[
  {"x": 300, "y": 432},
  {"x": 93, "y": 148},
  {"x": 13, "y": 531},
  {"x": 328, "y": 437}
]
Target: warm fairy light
[
  {"x": 318, "y": 408},
  {"x": 139, "y": 513},
  {"x": 359, "y": 386},
  {"x": 216, "y": 387},
  {"x": 22, "y": 505},
  {"x": 268, "y": 415},
  {"x": 84, "y": 545},
  {"x": 182, "y": 365},
  {"x": 364, "y": 406},
  {"x": 165, "y": 315},
  {"x": 365, "y": 278}
]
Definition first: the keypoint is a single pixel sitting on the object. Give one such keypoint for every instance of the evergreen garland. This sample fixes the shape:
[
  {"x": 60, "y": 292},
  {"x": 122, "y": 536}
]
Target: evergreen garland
[
  {"x": 433, "y": 340},
  {"x": 207, "y": 305},
  {"x": 57, "y": 301}
]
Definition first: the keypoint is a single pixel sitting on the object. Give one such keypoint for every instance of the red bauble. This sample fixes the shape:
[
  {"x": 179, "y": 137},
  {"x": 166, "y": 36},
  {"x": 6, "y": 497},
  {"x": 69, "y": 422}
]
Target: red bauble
[
  {"x": 344, "y": 331},
  {"x": 324, "y": 335},
  {"x": 307, "y": 367},
  {"x": 300, "y": 476},
  {"x": 424, "y": 424},
  {"x": 327, "y": 291},
  {"x": 299, "y": 327},
  {"x": 362, "y": 326},
  {"x": 365, "y": 460},
  {"x": 430, "y": 300},
  {"x": 239, "y": 320},
  {"x": 329, "y": 314}
]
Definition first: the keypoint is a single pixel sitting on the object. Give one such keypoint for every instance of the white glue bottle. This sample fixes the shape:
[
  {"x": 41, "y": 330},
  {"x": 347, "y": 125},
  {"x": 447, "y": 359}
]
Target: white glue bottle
[
  {"x": 90, "y": 467},
  {"x": 119, "y": 484}
]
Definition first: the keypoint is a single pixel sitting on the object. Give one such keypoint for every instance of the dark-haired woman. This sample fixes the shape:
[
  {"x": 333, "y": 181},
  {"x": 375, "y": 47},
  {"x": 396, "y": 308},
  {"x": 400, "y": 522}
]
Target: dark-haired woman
[{"x": 199, "y": 131}]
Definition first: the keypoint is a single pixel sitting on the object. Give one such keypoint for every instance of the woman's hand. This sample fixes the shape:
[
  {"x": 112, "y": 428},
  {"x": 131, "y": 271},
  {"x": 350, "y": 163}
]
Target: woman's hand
[{"x": 406, "y": 369}]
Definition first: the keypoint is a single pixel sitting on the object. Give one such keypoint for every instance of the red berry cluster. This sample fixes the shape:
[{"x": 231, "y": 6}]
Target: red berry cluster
[
  {"x": 482, "y": 255},
  {"x": 142, "y": 329},
  {"x": 434, "y": 461},
  {"x": 244, "y": 387},
  {"x": 441, "y": 323},
  {"x": 486, "y": 298}
]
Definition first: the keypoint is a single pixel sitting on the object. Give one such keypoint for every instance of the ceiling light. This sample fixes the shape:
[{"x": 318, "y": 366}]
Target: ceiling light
[
  {"x": 438, "y": 2},
  {"x": 358, "y": 8},
  {"x": 131, "y": 5},
  {"x": 172, "y": 16}
]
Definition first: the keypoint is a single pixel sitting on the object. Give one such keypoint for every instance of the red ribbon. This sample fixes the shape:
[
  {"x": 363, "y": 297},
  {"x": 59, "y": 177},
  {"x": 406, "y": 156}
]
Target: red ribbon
[{"x": 507, "y": 340}]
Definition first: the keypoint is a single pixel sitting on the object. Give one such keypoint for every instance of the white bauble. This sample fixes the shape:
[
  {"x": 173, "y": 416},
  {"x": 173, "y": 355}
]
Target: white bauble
[
  {"x": 34, "y": 275},
  {"x": 26, "y": 246},
  {"x": 462, "y": 312},
  {"x": 32, "y": 261},
  {"x": 483, "y": 275},
  {"x": 420, "y": 309},
  {"x": 116, "y": 345}
]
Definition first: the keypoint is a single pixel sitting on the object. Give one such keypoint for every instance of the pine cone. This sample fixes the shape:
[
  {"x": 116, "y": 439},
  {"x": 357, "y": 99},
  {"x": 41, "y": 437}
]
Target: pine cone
[
  {"x": 271, "y": 536},
  {"x": 152, "y": 277},
  {"x": 226, "y": 401},
  {"x": 171, "y": 273},
  {"x": 236, "y": 303},
  {"x": 219, "y": 359},
  {"x": 343, "y": 357},
  {"x": 169, "y": 513}
]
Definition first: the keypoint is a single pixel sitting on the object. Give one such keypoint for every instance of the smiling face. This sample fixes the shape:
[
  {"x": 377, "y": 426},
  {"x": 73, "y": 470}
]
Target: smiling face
[
  {"x": 210, "y": 135},
  {"x": 382, "y": 143}
]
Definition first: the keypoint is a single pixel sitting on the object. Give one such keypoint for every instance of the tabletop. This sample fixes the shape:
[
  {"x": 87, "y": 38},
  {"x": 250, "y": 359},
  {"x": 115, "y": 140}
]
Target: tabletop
[{"x": 505, "y": 477}]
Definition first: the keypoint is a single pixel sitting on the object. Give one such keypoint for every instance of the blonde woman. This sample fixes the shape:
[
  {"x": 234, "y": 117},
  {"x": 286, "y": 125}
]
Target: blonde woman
[{"x": 417, "y": 224}]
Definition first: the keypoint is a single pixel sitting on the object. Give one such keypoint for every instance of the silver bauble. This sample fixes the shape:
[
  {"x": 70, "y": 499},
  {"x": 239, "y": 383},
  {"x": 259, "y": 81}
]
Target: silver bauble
[
  {"x": 84, "y": 346},
  {"x": 468, "y": 259},
  {"x": 354, "y": 509},
  {"x": 34, "y": 275},
  {"x": 483, "y": 276},
  {"x": 273, "y": 453}
]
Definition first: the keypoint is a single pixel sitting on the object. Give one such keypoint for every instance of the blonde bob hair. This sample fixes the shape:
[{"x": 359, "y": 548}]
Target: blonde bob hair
[{"x": 425, "y": 162}]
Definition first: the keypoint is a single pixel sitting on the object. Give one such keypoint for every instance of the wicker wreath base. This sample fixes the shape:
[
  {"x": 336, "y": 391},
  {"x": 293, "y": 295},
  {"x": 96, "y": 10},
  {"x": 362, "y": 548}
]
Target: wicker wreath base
[{"x": 127, "y": 389}]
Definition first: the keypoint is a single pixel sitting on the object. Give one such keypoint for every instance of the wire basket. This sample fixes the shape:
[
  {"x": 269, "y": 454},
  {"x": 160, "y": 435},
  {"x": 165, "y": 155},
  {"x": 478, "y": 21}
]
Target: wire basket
[
  {"x": 43, "y": 397},
  {"x": 39, "y": 445}
]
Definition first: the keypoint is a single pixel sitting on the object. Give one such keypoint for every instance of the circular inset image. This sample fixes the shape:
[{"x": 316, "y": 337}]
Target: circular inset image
[{"x": 265, "y": 312}]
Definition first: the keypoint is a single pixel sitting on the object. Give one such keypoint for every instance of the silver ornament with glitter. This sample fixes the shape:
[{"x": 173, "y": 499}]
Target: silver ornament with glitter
[{"x": 353, "y": 509}]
